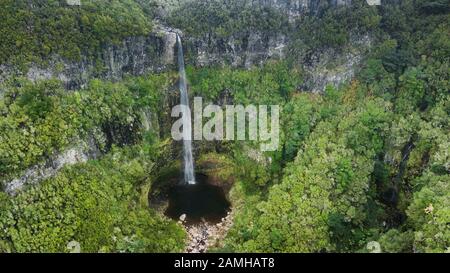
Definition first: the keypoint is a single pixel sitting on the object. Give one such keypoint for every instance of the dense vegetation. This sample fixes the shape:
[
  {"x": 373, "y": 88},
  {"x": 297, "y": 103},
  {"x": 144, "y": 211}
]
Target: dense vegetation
[
  {"x": 362, "y": 167},
  {"x": 34, "y": 30},
  {"x": 100, "y": 205},
  {"x": 225, "y": 18},
  {"x": 366, "y": 164},
  {"x": 372, "y": 161},
  {"x": 38, "y": 119},
  {"x": 91, "y": 207}
]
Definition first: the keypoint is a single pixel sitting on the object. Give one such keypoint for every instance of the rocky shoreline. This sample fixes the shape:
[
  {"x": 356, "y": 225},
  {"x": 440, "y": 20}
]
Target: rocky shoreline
[{"x": 204, "y": 235}]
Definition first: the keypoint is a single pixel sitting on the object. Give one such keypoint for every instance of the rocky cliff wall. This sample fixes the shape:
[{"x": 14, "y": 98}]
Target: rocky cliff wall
[
  {"x": 155, "y": 52},
  {"x": 133, "y": 56}
]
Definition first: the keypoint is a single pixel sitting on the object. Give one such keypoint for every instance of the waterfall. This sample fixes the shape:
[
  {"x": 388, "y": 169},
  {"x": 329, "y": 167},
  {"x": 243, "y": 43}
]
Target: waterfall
[{"x": 189, "y": 176}]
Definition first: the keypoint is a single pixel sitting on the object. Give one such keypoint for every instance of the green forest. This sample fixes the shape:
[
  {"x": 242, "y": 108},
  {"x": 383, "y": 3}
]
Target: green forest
[{"x": 363, "y": 166}]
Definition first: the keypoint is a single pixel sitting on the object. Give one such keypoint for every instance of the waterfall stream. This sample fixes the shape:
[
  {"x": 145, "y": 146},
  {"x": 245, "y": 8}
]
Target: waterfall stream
[{"x": 189, "y": 176}]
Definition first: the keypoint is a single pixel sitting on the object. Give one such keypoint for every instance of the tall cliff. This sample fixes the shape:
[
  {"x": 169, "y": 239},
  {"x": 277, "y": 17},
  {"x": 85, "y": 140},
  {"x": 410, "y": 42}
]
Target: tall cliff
[
  {"x": 240, "y": 33},
  {"x": 237, "y": 33},
  {"x": 134, "y": 56}
]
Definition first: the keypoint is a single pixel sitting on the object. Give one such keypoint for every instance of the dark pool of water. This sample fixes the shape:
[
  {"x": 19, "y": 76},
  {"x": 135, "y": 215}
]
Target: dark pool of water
[{"x": 199, "y": 201}]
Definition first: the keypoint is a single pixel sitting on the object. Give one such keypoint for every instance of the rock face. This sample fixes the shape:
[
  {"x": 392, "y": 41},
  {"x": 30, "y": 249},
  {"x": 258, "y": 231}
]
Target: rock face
[
  {"x": 296, "y": 8},
  {"x": 324, "y": 67},
  {"x": 133, "y": 56},
  {"x": 239, "y": 50},
  {"x": 292, "y": 8},
  {"x": 247, "y": 48},
  {"x": 330, "y": 67},
  {"x": 79, "y": 153},
  {"x": 156, "y": 52}
]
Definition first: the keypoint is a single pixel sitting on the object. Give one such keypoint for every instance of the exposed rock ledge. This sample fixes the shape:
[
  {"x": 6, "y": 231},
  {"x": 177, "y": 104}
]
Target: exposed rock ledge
[{"x": 79, "y": 153}]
